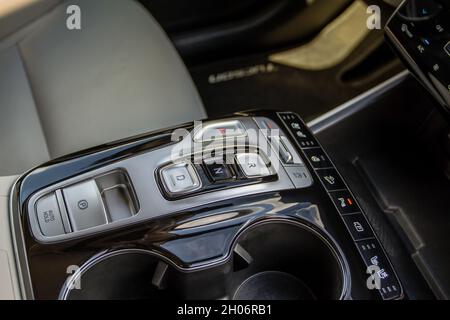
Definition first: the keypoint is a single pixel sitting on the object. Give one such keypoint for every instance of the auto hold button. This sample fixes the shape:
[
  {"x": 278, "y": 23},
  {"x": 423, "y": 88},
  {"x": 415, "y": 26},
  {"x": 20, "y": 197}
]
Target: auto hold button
[
  {"x": 49, "y": 216},
  {"x": 180, "y": 178}
]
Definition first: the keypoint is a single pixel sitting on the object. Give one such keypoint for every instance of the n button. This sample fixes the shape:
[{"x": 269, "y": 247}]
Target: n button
[{"x": 217, "y": 170}]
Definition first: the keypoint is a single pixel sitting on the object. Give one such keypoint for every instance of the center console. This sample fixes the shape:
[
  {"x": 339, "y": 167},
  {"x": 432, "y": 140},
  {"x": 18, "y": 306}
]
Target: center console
[{"x": 245, "y": 207}]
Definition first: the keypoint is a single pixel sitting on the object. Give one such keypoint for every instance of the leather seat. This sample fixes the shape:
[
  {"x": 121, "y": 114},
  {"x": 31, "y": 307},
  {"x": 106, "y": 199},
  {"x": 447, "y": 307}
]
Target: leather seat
[{"x": 65, "y": 90}]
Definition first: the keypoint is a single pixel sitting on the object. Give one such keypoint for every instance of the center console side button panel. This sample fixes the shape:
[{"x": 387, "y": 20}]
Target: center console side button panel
[
  {"x": 84, "y": 205},
  {"x": 49, "y": 216}
]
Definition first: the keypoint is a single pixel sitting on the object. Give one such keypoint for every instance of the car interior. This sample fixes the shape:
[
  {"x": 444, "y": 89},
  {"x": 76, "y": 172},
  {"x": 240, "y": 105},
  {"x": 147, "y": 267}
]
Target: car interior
[{"x": 224, "y": 150}]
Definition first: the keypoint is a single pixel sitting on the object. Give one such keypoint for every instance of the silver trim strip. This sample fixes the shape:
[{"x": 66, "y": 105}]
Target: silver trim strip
[{"x": 352, "y": 106}]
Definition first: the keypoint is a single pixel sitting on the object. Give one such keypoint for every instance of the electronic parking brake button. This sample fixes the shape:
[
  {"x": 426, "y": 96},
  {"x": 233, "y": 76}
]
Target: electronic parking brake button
[
  {"x": 180, "y": 178},
  {"x": 84, "y": 205},
  {"x": 49, "y": 216}
]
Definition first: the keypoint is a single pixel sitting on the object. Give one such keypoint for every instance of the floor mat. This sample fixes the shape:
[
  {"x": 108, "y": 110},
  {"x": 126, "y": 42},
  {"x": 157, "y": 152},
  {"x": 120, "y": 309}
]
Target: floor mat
[{"x": 253, "y": 82}]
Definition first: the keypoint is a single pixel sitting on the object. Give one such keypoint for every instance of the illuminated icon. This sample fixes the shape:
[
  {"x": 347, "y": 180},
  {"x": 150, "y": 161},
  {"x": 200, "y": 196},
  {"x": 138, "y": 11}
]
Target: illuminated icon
[
  {"x": 295, "y": 125},
  {"x": 342, "y": 201},
  {"x": 315, "y": 159},
  {"x": 358, "y": 226},
  {"x": 330, "y": 179},
  {"x": 374, "y": 260},
  {"x": 382, "y": 274},
  {"x": 301, "y": 134},
  {"x": 439, "y": 28},
  {"x": 421, "y": 48},
  {"x": 436, "y": 67}
]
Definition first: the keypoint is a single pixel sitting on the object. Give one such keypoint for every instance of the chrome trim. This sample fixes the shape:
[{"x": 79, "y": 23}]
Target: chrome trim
[{"x": 352, "y": 106}]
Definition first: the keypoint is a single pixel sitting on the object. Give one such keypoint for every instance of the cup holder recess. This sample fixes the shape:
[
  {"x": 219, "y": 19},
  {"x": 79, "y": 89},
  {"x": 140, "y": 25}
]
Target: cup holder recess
[{"x": 275, "y": 259}]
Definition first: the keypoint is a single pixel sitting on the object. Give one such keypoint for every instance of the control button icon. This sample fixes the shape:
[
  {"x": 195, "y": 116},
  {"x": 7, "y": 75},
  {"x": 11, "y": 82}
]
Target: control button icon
[
  {"x": 382, "y": 274},
  {"x": 375, "y": 260},
  {"x": 83, "y": 204},
  {"x": 344, "y": 202},
  {"x": 358, "y": 226},
  {"x": 331, "y": 179}
]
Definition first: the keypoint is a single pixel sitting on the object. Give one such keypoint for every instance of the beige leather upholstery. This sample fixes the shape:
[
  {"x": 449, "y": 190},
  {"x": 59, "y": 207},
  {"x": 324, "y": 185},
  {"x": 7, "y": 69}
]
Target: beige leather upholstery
[{"x": 64, "y": 90}]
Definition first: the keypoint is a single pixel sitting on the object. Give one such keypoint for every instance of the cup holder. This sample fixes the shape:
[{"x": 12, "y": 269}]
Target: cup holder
[
  {"x": 122, "y": 275},
  {"x": 287, "y": 261},
  {"x": 271, "y": 260}
]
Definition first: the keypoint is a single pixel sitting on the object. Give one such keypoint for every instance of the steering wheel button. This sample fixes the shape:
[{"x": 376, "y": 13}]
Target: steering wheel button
[{"x": 252, "y": 165}]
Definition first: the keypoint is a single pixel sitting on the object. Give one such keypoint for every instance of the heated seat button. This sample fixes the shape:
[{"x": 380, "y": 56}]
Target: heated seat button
[
  {"x": 84, "y": 205},
  {"x": 331, "y": 179},
  {"x": 358, "y": 226},
  {"x": 317, "y": 158},
  {"x": 217, "y": 170},
  {"x": 49, "y": 216},
  {"x": 299, "y": 130},
  {"x": 382, "y": 277},
  {"x": 344, "y": 201}
]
